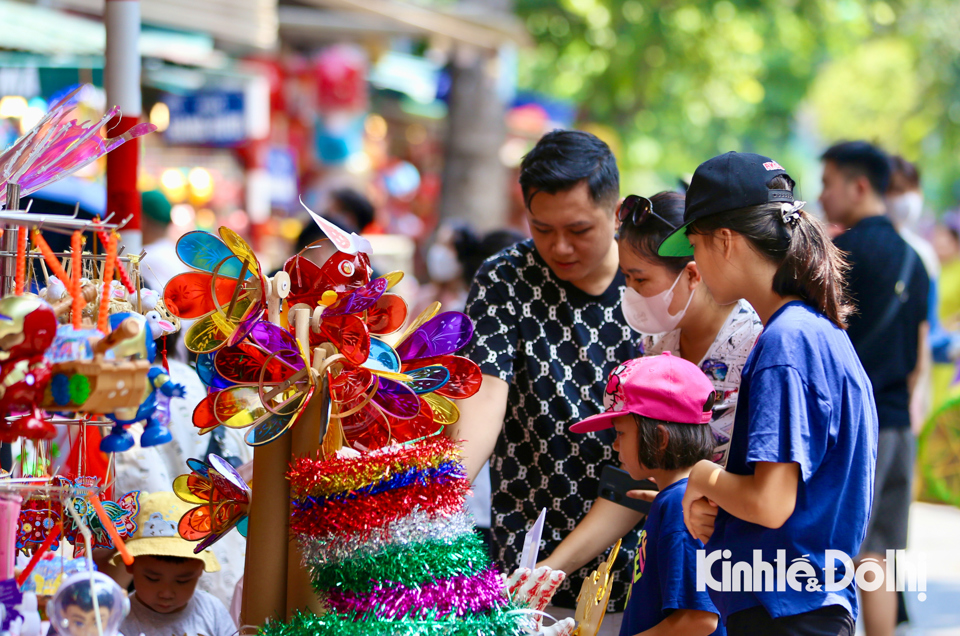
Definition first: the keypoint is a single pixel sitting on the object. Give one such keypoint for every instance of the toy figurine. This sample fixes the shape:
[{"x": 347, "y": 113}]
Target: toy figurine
[
  {"x": 155, "y": 432},
  {"x": 27, "y": 329},
  {"x": 82, "y": 599}
]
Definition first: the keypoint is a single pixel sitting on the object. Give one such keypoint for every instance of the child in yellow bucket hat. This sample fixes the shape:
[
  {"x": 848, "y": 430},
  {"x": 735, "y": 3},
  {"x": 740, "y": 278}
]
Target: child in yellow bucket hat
[{"x": 165, "y": 574}]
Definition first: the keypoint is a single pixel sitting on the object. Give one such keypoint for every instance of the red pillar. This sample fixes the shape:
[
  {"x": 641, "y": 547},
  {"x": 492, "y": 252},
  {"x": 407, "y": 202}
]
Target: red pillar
[{"x": 121, "y": 80}]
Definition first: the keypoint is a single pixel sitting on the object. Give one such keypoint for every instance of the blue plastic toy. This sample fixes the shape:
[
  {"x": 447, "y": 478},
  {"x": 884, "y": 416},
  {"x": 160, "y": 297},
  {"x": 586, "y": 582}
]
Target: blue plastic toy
[{"x": 155, "y": 432}]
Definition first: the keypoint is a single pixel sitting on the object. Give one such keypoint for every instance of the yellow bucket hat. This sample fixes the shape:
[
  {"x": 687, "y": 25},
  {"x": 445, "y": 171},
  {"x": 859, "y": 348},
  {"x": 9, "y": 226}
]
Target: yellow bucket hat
[{"x": 157, "y": 533}]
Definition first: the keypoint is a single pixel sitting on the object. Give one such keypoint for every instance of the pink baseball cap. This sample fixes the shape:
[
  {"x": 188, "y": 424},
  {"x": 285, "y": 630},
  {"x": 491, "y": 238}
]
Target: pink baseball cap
[{"x": 663, "y": 387}]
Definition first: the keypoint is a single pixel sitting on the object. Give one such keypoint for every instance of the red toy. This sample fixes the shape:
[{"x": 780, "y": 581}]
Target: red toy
[{"x": 27, "y": 329}]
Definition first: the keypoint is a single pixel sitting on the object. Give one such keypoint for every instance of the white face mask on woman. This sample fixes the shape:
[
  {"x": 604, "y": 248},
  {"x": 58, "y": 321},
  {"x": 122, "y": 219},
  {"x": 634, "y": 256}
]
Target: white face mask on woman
[
  {"x": 442, "y": 263},
  {"x": 651, "y": 315},
  {"x": 905, "y": 210}
]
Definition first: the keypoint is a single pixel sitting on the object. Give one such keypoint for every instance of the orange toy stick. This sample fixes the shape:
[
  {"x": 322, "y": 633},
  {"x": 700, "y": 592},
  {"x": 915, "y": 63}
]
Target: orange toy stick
[
  {"x": 103, "y": 318},
  {"x": 21, "y": 261},
  {"x": 51, "y": 537},
  {"x": 76, "y": 243},
  {"x": 121, "y": 271},
  {"x": 111, "y": 529},
  {"x": 53, "y": 262}
]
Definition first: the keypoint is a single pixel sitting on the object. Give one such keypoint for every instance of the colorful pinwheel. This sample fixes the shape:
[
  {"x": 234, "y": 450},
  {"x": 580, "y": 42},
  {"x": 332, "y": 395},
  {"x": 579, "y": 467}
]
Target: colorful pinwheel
[
  {"x": 225, "y": 292},
  {"x": 262, "y": 378},
  {"x": 417, "y": 405},
  {"x": 223, "y": 499},
  {"x": 269, "y": 385}
]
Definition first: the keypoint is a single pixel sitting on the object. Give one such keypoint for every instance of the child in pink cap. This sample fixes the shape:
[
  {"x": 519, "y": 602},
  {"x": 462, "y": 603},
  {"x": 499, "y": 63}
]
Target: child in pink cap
[{"x": 661, "y": 407}]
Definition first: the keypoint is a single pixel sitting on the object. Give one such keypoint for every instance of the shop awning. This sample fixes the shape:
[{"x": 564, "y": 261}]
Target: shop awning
[
  {"x": 462, "y": 22},
  {"x": 60, "y": 37},
  {"x": 251, "y": 23}
]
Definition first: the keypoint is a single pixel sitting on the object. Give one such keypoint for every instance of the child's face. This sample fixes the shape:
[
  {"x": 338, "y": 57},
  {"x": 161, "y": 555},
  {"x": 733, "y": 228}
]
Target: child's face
[
  {"x": 628, "y": 445},
  {"x": 84, "y": 623},
  {"x": 163, "y": 586}
]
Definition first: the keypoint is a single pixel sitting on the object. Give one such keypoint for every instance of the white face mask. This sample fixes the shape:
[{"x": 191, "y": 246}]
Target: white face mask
[
  {"x": 442, "y": 264},
  {"x": 651, "y": 315},
  {"x": 905, "y": 210}
]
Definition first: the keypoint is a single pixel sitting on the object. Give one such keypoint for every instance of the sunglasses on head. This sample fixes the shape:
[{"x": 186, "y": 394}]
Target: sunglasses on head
[{"x": 638, "y": 209}]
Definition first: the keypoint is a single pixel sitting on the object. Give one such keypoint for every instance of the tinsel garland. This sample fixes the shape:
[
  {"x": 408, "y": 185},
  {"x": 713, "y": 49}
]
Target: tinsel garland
[
  {"x": 460, "y": 595},
  {"x": 364, "y": 515},
  {"x": 496, "y": 623},
  {"x": 441, "y": 474},
  {"x": 324, "y": 477},
  {"x": 418, "y": 526},
  {"x": 409, "y": 565}
]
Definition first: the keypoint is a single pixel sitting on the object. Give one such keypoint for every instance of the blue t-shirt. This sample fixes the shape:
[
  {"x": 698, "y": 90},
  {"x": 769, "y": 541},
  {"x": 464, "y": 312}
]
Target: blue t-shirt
[
  {"x": 664, "y": 572},
  {"x": 804, "y": 398}
]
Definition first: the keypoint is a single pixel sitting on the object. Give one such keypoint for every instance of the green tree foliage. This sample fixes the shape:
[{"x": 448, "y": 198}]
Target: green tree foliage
[{"x": 681, "y": 80}]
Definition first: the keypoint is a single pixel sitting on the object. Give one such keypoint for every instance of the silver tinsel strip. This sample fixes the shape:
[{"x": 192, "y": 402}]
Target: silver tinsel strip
[{"x": 417, "y": 527}]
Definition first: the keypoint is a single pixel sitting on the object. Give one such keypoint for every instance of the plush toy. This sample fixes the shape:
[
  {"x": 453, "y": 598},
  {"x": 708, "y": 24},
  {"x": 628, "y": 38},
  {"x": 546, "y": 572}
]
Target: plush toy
[
  {"x": 155, "y": 432},
  {"x": 147, "y": 297},
  {"x": 28, "y": 326},
  {"x": 158, "y": 326}
]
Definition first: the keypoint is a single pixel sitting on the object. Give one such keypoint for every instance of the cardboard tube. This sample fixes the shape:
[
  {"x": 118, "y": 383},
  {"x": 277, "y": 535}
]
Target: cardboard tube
[
  {"x": 305, "y": 440},
  {"x": 265, "y": 568}
]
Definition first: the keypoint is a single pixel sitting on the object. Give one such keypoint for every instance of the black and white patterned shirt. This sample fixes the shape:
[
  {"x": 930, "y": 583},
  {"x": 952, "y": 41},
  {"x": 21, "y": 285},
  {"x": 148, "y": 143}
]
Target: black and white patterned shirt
[{"x": 555, "y": 346}]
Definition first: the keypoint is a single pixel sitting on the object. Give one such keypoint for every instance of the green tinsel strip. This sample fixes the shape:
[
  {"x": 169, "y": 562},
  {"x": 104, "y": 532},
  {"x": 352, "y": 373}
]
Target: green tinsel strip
[
  {"x": 498, "y": 623},
  {"x": 409, "y": 565}
]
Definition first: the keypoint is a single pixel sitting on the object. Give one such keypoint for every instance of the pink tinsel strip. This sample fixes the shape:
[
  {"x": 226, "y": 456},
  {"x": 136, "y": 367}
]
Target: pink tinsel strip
[{"x": 458, "y": 595}]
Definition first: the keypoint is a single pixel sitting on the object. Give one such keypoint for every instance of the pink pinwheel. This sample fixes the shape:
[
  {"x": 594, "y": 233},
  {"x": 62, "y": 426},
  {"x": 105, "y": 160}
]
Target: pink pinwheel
[{"x": 55, "y": 148}]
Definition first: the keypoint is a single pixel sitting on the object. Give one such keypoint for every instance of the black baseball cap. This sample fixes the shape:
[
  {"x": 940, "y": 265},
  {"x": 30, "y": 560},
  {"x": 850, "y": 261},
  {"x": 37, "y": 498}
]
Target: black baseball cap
[{"x": 727, "y": 182}]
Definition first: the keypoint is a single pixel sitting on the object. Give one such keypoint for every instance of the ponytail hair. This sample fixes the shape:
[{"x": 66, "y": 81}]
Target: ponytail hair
[{"x": 809, "y": 265}]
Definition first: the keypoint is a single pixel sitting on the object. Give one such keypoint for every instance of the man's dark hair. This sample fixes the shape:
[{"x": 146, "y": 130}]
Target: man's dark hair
[
  {"x": 862, "y": 159},
  {"x": 686, "y": 444},
  {"x": 564, "y": 158}
]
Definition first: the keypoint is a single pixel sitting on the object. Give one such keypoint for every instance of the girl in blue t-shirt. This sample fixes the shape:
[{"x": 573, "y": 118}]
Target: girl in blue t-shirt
[{"x": 783, "y": 521}]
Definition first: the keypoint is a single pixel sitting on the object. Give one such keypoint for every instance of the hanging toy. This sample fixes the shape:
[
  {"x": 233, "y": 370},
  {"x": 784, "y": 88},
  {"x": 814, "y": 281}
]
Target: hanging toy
[
  {"x": 27, "y": 329},
  {"x": 54, "y": 291},
  {"x": 88, "y": 603},
  {"x": 86, "y": 380},
  {"x": 155, "y": 432}
]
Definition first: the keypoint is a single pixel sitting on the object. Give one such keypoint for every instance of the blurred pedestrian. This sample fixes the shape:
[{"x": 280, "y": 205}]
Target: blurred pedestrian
[
  {"x": 904, "y": 201},
  {"x": 161, "y": 263},
  {"x": 890, "y": 288},
  {"x": 946, "y": 242},
  {"x": 453, "y": 260},
  {"x": 452, "y": 264}
]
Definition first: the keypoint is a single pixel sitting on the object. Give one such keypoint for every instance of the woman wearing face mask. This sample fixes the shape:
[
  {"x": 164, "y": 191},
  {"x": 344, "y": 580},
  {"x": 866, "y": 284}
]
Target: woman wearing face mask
[{"x": 666, "y": 301}]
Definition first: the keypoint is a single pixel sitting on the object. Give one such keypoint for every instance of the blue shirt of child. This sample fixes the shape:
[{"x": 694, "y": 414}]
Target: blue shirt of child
[
  {"x": 804, "y": 398},
  {"x": 665, "y": 568}
]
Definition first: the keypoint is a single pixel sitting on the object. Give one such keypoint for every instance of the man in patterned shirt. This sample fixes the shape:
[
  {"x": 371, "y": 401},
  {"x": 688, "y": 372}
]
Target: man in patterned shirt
[{"x": 549, "y": 329}]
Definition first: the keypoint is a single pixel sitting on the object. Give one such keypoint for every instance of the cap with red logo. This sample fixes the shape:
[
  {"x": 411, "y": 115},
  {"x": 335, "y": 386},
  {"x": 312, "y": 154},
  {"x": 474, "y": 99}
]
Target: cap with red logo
[{"x": 663, "y": 387}]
